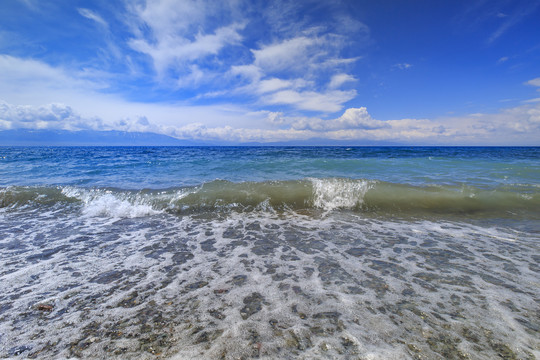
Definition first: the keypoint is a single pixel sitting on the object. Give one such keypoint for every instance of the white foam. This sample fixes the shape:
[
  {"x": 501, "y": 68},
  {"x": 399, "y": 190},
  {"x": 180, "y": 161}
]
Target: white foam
[
  {"x": 106, "y": 203},
  {"x": 368, "y": 333},
  {"x": 330, "y": 194}
]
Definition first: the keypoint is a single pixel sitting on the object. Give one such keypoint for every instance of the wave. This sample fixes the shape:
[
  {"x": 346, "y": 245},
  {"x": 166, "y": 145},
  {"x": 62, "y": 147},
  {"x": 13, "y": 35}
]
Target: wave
[{"x": 330, "y": 194}]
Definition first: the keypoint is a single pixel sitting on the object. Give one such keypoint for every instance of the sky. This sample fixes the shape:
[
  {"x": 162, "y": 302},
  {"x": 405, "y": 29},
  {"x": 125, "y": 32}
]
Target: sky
[{"x": 416, "y": 72}]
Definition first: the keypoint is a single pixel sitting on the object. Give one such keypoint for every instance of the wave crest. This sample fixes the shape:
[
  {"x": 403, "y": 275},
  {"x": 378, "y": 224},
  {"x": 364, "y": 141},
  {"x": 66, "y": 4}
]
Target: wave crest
[{"x": 331, "y": 194}]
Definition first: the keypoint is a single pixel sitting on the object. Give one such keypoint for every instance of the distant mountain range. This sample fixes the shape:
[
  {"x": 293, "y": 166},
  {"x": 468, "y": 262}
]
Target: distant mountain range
[{"x": 25, "y": 137}]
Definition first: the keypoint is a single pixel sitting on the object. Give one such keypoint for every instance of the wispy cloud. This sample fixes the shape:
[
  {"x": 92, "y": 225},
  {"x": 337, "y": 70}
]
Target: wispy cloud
[
  {"x": 339, "y": 79},
  {"x": 500, "y": 15},
  {"x": 299, "y": 66},
  {"x": 402, "y": 66},
  {"x": 522, "y": 10},
  {"x": 178, "y": 35},
  {"x": 89, "y": 14}
]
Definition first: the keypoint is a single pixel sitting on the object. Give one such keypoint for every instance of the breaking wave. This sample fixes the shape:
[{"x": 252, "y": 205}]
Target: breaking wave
[{"x": 330, "y": 194}]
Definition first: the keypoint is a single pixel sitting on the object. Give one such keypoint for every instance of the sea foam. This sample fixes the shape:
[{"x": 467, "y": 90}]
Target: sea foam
[
  {"x": 330, "y": 194},
  {"x": 106, "y": 203}
]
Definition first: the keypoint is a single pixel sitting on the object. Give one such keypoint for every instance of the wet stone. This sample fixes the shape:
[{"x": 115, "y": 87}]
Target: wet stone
[
  {"x": 18, "y": 350},
  {"x": 375, "y": 283},
  {"x": 332, "y": 316},
  {"x": 130, "y": 301},
  {"x": 208, "y": 245},
  {"x": 348, "y": 345},
  {"x": 45, "y": 307},
  {"x": 239, "y": 280},
  {"x": 387, "y": 268},
  {"x": 254, "y": 226},
  {"x": 446, "y": 346},
  {"x": 280, "y": 276},
  {"x": 252, "y": 305},
  {"x": 264, "y": 247},
  {"x": 504, "y": 351},
  {"x": 208, "y": 336},
  {"x": 196, "y": 285},
  {"x": 108, "y": 277},
  {"x": 364, "y": 251},
  {"x": 289, "y": 257},
  {"x": 529, "y": 326},
  {"x": 46, "y": 254},
  {"x": 284, "y": 286},
  {"x": 231, "y": 233},
  {"x": 217, "y": 314},
  {"x": 181, "y": 257},
  {"x": 470, "y": 335},
  {"x": 355, "y": 290},
  {"x": 298, "y": 342},
  {"x": 331, "y": 271},
  {"x": 408, "y": 292}
]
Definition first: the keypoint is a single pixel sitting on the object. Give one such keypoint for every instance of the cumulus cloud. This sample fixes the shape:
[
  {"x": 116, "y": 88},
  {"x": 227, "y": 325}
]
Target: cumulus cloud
[
  {"x": 51, "y": 116},
  {"x": 513, "y": 126}
]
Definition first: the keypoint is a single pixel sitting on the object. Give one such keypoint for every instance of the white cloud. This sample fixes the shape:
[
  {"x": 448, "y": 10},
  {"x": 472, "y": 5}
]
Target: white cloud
[
  {"x": 32, "y": 90},
  {"x": 340, "y": 79},
  {"x": 177, "y": 34},
  {"x": 272, "y": 74},
  {"x": 175, "y": 52},
  {"x": 192, "y": 43},
  {"x": 18, "y": 73},
  {"x": 534, "y": 82},
  {"x": 516, "y": 126},
  {"x": 330, "y": 101},
  {"x": 51, "y": 116},
  {"x": 273, "y": 84},
  {"x": 291, "y": 54},
  {"x": 513, "y": 126}
]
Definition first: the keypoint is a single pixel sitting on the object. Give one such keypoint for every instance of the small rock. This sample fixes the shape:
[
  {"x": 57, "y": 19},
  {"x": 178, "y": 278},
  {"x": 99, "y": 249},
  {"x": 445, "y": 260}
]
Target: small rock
[
  {"x": 44, "y": 307},
  {"x": 17, "y": 350}
]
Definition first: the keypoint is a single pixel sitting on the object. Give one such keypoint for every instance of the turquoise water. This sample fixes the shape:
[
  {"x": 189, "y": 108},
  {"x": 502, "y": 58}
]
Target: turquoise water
[{"x": 269, "y": 252}]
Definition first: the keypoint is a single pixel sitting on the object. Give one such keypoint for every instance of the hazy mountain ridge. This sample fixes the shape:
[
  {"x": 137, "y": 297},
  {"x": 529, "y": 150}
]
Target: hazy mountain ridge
[{"x": 25, "y": 137}]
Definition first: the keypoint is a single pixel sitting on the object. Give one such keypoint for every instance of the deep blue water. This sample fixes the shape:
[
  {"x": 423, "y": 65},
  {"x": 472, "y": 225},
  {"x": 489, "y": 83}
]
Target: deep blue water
[{"x": 167, "y": 167}]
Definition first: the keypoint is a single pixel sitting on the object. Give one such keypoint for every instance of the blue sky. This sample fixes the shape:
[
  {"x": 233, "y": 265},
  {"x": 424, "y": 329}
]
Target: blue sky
[{"x": 411, "y": 72}]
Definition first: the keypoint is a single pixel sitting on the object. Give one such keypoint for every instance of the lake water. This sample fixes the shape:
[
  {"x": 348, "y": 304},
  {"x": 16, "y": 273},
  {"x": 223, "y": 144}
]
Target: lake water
[{"x": 269, "y": 252}]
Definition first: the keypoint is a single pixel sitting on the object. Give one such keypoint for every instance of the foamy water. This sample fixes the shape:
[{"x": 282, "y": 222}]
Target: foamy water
[
  {"x": 264, "y": 285},
  {"x": 309, "y": 268}
]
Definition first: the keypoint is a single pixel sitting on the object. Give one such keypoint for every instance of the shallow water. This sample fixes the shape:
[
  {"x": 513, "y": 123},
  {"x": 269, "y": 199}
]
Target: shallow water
[{"x": 97, "y": 272}]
